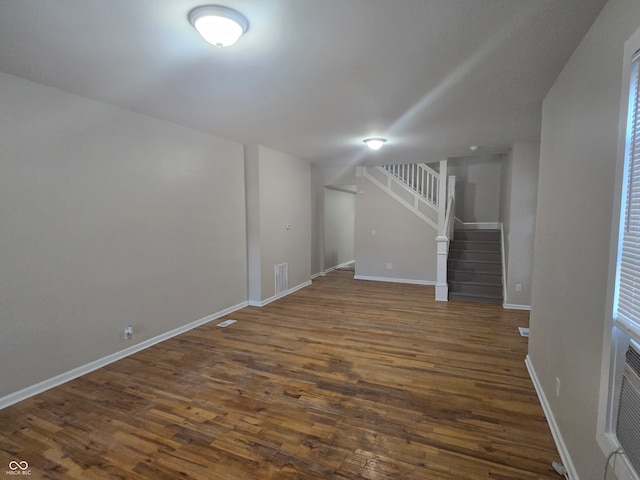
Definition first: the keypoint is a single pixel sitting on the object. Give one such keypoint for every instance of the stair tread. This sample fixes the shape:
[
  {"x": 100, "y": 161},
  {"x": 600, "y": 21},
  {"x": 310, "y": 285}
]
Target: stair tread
[
  {"x": 472, "y": 250},
  {"x": 462, "y": 270},
  {"x": 475, "y": 298},
  {"x": 489, "y": 262},
  {"x": 483, "y": 243},
  {"x": 492, "y": 242},
  {"x": 479, "y": 243},
  {"x": 475, "y": 295},
  {"x": 471, "y": 282}
]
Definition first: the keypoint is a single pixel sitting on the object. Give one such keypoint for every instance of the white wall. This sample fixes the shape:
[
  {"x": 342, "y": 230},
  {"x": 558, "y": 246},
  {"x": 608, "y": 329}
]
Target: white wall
[
  {"x": 108, "y": 218},
  {"x": 519, "y": 197},
  {"x": 572, "y": 235},
  {"x": 505, "y": 202},
  {"x": 401, "y": 238},
  {"x": 478, "y": 181},
  {"x": 252, "y": 186},
  {"x": 284, "y": 191}
]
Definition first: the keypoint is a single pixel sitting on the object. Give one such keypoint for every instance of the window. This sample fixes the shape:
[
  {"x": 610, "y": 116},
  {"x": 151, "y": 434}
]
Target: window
[
  {"x": 620, "y": 414},
  {"x": 623, "y": 293},
  {"x": 627, "y": 296}
]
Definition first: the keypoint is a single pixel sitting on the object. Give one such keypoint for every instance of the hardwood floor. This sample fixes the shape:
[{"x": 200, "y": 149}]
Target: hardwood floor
[{"x": 343, "y": 379}]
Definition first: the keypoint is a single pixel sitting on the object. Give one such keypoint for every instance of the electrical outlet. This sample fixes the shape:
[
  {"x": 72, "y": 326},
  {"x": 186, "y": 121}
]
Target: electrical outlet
[
  {"x": 557, "y": 387},
  {"x": 389, "y": 266},
  {"x": 518, "y": 287},
  {"x": 128, "y": 332}
]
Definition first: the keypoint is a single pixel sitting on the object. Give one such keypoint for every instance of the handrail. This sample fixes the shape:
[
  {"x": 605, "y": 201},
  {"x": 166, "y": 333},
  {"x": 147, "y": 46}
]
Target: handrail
[
  {"x": 448, "y": 224},
  {"x": 449, "y": 217},
  {"x": 419, "y": 177}
]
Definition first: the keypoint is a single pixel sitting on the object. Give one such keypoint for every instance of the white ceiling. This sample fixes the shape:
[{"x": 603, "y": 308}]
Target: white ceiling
[{"x": 312, "y": 78}]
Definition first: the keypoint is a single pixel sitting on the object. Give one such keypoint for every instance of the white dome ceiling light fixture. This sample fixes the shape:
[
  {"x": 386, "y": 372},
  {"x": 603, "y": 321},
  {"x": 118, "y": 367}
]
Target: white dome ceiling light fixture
[
  {"x": 218, "y": 25},
  {"x": 374, "y": 143}
]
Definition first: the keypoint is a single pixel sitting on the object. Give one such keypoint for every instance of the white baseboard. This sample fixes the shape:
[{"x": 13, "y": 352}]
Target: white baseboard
[
  {"x": 555, "y": 431},
  {"x": 342, "y": 265},
  {"x": 40, "y": 387},
  {"x": 395, "y": 280},
  {"x": 262, "y": 303},
  {"x": 515, "y": 306},
  {"x": 323, "y": 273}
]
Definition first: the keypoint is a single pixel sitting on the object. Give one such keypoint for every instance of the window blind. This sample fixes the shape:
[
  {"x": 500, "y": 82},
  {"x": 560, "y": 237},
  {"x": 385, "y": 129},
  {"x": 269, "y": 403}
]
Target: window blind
[{"x": 628, "y": 278}]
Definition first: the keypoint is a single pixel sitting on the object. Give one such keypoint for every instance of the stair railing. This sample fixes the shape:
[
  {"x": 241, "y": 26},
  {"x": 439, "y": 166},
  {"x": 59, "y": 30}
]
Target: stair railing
[
  {"x": 394, "y": 187},
  {"x": 419, "y": 177},
  {"x": 437, "y": 190}
]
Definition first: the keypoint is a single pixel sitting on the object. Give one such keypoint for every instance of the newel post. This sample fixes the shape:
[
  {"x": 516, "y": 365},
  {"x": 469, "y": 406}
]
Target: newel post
[
  {"x": 442, "y": 241},
  {"x": 442, "y": 287}
]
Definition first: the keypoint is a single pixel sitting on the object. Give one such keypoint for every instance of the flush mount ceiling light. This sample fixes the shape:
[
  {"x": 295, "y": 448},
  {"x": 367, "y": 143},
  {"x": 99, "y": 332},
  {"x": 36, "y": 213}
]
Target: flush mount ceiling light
[
  {"x": 374, "y": 143},
  {"x": 218, "y": 25}
]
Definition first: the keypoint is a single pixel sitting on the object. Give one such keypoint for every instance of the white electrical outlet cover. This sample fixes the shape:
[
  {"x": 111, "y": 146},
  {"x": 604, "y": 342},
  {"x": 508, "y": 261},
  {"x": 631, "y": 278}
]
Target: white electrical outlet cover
[{"x": 226, "y": 323}]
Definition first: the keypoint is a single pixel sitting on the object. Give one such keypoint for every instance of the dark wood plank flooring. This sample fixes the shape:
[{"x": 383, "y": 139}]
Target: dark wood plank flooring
[{"x": 344, "y": 379}]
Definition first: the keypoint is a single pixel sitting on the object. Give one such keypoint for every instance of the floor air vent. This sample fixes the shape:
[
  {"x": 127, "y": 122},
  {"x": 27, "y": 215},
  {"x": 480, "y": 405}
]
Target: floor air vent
[
  {"x": 282, "y": 278},
  {"x": 226, "y": 323},
  {"x": 628, "y": 423}
]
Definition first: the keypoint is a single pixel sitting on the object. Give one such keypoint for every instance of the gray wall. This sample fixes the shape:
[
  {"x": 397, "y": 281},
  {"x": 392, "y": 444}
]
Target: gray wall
[
  {"x": 477, "y": 187},
  {"x": 518, "y": 215},
  {"x": 505, "y": 202},
  {"x": 339, "y": 227},
  {"x": 109, "y": 218},
  {"x": 252, "y": 186},
  {"x": 572, "y": 235},
  {"x": 285, "y": 186},
  {"x": 401, "y": 238}
]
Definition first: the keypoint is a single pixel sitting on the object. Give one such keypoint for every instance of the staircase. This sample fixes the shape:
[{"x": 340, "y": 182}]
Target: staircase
[
  {"x": 469, "y": 266},
  {"x": 474, "y": 268}
]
